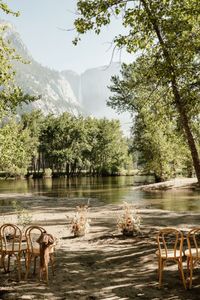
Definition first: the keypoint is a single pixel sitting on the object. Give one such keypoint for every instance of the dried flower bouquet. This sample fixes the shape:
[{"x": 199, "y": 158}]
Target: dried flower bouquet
[
  {"x": 129, "y": 221},
  {"x": 80, "y": 222}
]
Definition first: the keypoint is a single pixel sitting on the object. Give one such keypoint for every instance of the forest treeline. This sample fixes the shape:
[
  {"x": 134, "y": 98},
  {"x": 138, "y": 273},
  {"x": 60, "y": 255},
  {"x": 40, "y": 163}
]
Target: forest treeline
[
  {"x": 63, "y": 145},
  {"x": 39, "y": 145}
]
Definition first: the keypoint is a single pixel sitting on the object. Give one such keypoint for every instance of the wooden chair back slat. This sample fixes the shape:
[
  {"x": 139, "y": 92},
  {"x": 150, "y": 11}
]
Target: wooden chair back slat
[
  {"x": 11, "y": 237},
  {"x": 32, "y": 233},
  {"x": 170, "y": 247},
  {"x": 193, "y": 240},
  {"x": 192, "y": 253},
  {"x": 165, "y": 242},
  {"x": 11, "y": 245}
]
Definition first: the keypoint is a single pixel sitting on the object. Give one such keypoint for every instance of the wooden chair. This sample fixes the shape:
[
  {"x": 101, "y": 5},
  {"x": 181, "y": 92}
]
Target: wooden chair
[
  {"x": 36, "y": 249},
  {"x": 193, "y": 252},
  {"x": 170, "y": 248},
  {"x": 11, "y": 245}
]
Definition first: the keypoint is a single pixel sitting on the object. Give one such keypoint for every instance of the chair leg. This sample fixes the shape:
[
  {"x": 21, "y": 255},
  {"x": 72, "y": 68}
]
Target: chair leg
[
  {"x": 26, "y": 259},
  {"x": 52, "y": 260},
  {"x": 3, "y": 262},
  {"x": 161, "y": 267},
  {"x": 35, "y": 263},
  {"x": 28, "y": 264},
  {"x": 8, "y": 269},
  {"x": 191, "y": 272},
  {"x": 158, "y": 268},
  {"x": 180, "y": 265},
  {"x": 188, "y": 266},
  {"x": 19, "y": 265}
]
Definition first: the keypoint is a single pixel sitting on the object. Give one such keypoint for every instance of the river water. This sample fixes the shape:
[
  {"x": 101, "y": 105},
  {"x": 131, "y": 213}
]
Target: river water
[{"x": 107, "y": 189}]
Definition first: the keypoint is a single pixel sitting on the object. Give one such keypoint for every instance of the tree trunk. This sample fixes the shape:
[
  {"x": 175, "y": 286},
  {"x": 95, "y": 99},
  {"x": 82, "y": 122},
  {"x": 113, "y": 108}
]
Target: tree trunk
[
  {"x": 39, "y": 162},
  {"x": 67, "y": 169},
  {"x": 43, "y": 161},
  {"x": 179, "y": 105},
  {"x": 188, "y": 133}
]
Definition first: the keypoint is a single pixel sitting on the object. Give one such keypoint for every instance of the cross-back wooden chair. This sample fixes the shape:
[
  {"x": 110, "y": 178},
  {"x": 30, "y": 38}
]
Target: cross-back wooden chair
[
  {"x": 11, "y": 245},
  {"x": 170, "y": 248},
  {"x": 193, "y": 252},
  {"x": 35, "y": 250}
]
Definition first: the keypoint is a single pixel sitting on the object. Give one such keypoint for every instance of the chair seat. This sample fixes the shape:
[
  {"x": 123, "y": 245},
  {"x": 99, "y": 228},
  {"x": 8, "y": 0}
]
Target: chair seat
[
  {"x": 195, "y": 252},
  {"x": 170, "y": 254},
  {"x": 9, "y": 248},
  {"x": 34, "y": 251}
]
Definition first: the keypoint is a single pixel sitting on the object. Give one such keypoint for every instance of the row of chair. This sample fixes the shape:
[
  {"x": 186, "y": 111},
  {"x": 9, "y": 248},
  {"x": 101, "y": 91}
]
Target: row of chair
[
  {"x": 171, "y": 248},
  {"x": 34, "y": 243},
  {"x": 37, "y": 243}
]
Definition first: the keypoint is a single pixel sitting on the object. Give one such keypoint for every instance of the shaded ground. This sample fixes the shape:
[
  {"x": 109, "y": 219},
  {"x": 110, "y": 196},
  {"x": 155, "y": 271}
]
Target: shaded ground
[{"x": 103, "y": 264}]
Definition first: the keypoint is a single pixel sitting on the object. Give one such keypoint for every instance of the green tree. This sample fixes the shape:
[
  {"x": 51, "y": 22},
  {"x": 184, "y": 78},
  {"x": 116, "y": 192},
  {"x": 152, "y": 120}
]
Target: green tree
[
  {"x": 165, "y": 34},
  {"x": 4, "y": 7},
  {"x": 10, "y": 95},
  {"x": 15, "y": 142},
  {"x": 56, "y": 141},
  {"x": 74, "y": 145},
  {"x": 157, "y": 136},
  {"x": 16, "y": 148},
  {"x": 109, "y": 151},
  {"x": 35, "y": 122},
  {"x": 160, "y": 149}
]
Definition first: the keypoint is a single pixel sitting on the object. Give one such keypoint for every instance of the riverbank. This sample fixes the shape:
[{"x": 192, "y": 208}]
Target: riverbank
[
  {"x": 103, "y": 264},
  {"x": 176, "y": 183}
]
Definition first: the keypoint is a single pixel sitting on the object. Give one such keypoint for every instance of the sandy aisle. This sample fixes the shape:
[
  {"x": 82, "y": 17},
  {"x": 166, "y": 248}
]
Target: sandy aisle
[{"x": 103, "y": 264}]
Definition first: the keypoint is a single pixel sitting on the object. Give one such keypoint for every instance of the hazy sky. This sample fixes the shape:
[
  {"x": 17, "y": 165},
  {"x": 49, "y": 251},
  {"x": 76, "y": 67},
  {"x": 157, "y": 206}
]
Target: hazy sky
[{"x": 38, "y": 25}]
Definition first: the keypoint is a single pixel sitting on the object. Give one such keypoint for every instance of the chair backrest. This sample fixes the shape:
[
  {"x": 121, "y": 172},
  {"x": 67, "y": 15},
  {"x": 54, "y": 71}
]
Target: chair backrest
[
  {"x": 170, "y": 239},
  {"x": 32, "y": 235},
  {"x": 193, "y": 241},
  {"x": 11, "y": 237}
]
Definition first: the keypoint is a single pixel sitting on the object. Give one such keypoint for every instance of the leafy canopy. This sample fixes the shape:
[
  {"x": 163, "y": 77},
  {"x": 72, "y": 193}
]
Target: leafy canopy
[
  {"x": 165, "y": 36},
  {"x": 10, "y": 95},
  {"x": 4, "y": 7}
]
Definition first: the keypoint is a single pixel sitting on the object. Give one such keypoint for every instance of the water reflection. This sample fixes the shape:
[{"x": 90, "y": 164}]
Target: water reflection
[
  {"x": 107, "y": 189},
  {"x": 178, "y": 200}
]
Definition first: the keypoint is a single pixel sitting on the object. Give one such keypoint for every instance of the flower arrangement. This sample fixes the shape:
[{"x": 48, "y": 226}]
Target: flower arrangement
[
  {"x": 80, "y": 222},
  {"x": 129, "y": 221}
]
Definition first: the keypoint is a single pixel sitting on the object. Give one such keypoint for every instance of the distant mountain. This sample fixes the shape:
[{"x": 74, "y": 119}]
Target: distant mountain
[
  {"x": 75, "y": 81},
  {"x": 84, "y": 93},
  {"x": 56, "y": 93},
  {"x": 91, "y": 88}
]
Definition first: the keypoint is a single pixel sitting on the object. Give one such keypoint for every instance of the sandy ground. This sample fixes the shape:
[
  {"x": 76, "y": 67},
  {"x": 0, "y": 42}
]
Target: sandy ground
[
  {"x": 103, "y": 264},
  {"x": 175, "y": 183}
]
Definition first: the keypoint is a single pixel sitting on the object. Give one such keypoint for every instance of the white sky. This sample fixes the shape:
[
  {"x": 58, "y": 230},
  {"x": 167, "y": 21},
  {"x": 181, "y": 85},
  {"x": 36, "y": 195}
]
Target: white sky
[{"x": 38, "y": 25}]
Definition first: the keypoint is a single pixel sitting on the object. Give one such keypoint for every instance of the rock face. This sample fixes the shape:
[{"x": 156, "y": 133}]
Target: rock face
[
  {"x": 55, "y": 90},
  {"x": 91, "y": 88},
  {"x": 56, "y": 93}
]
